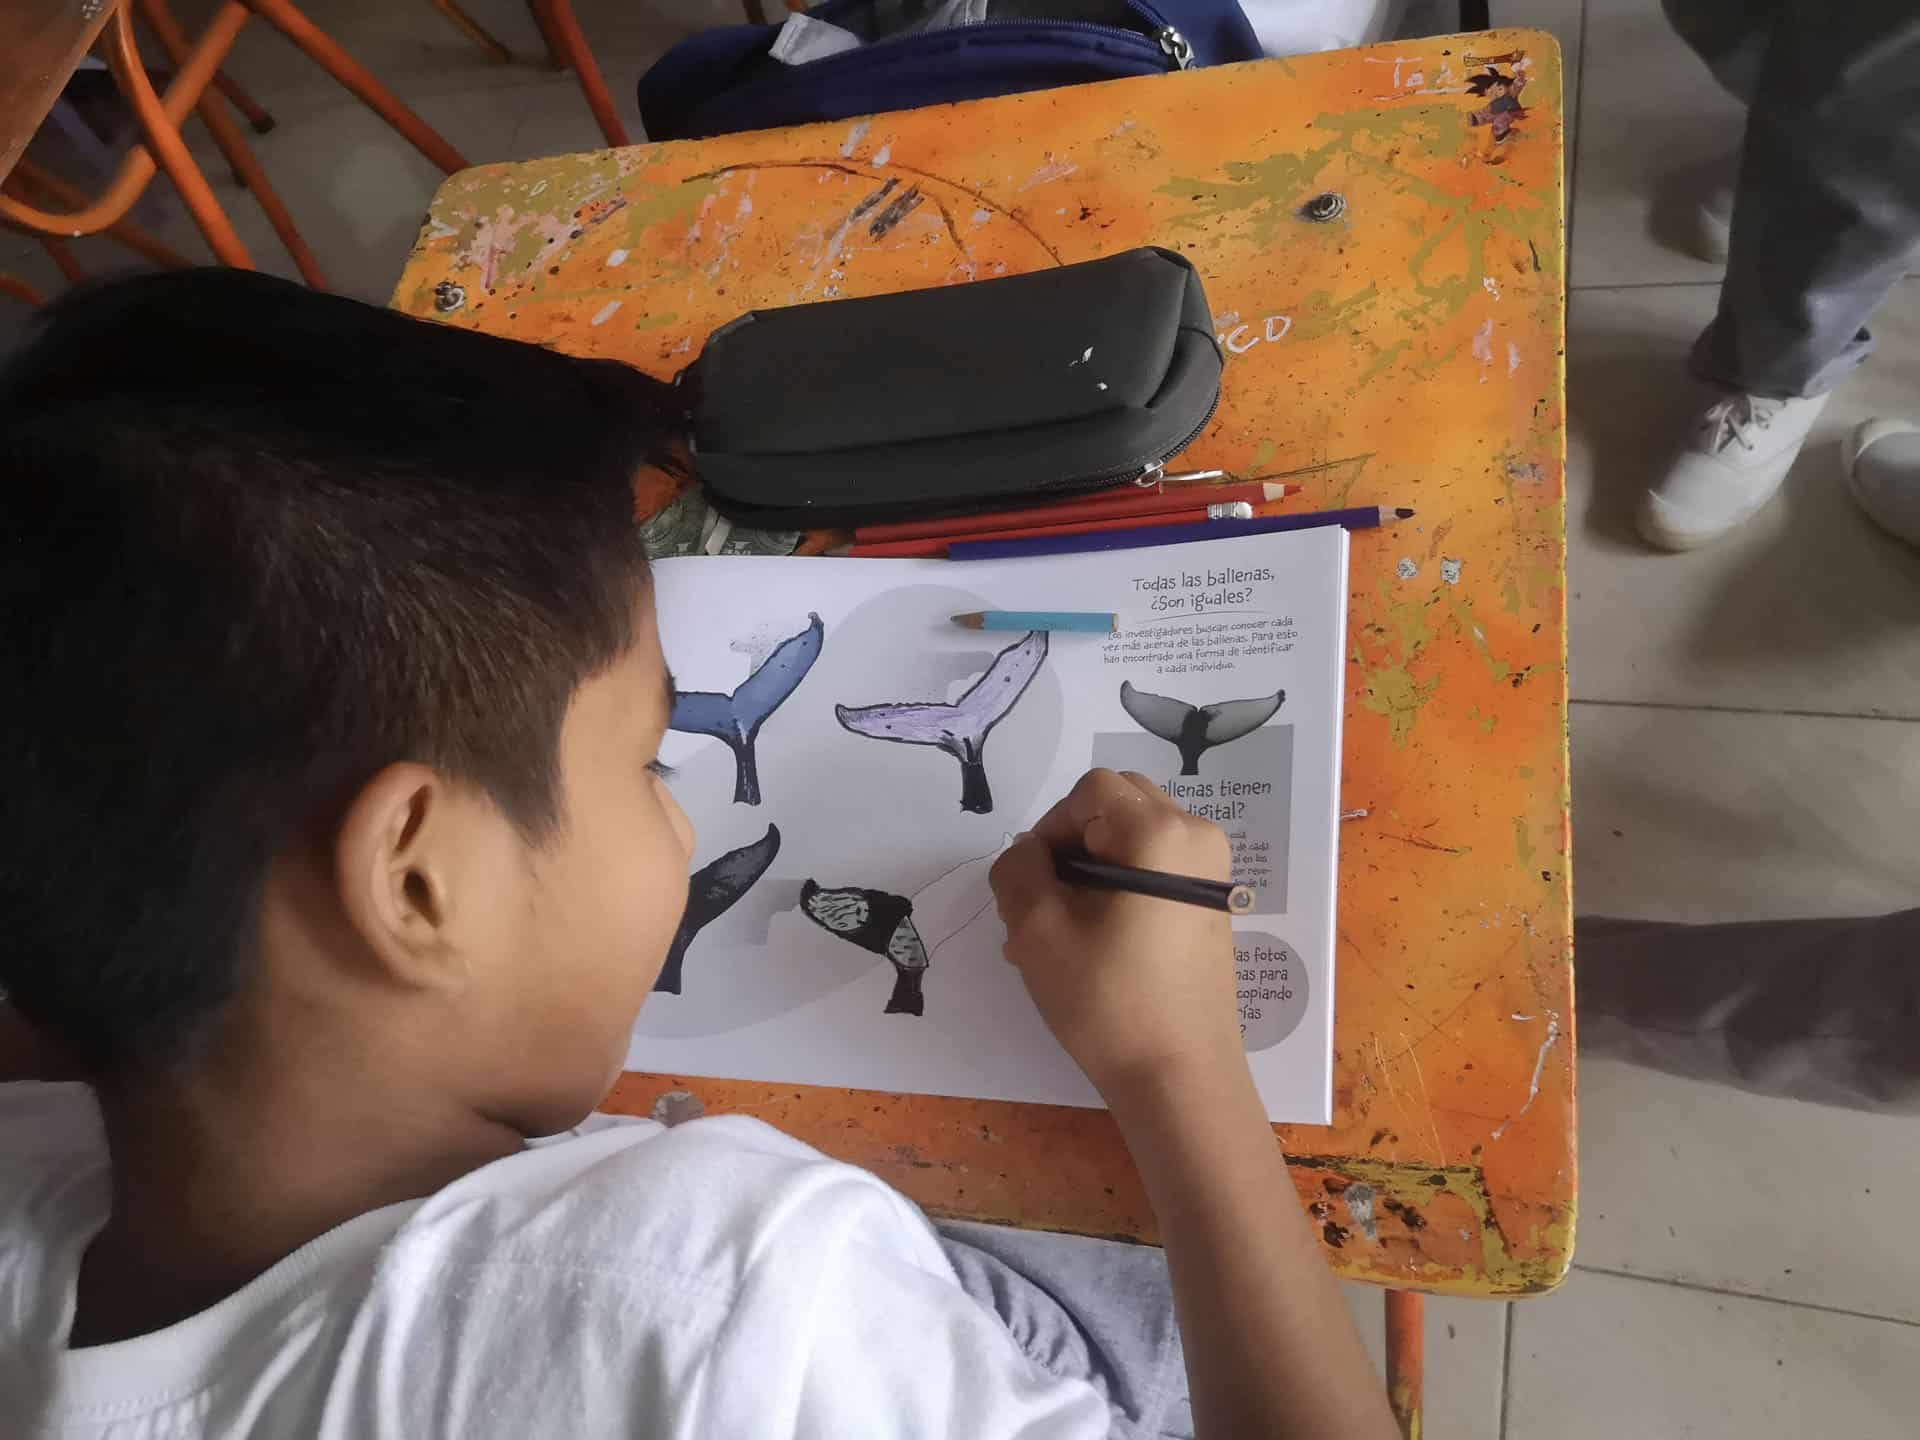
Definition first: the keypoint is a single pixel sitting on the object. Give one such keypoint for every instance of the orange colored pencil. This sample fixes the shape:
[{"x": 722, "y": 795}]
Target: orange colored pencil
[
  {"x": 936, "y": 545},
  {"x": 1164, "y": 503}
]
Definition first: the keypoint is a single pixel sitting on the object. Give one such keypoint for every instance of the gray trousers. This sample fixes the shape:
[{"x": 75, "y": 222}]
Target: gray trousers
[
  {"x": 1824, "y": 1010},
  {"x": 1093, "y": 1310},
  {"x": 1826, "y": 212}
]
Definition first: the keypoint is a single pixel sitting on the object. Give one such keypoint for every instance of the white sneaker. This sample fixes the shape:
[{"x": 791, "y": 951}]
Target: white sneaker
[
  {"x": 1733, "y": 463},
  {"x": 1882, "y": 463}
]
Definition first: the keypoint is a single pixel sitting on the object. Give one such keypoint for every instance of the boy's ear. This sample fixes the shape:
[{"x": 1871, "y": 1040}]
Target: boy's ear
[{"x": 405, "y": 861}]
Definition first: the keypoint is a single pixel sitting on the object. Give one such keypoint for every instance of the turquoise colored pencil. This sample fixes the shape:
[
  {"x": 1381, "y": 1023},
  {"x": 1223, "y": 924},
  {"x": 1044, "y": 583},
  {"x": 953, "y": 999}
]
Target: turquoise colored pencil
[{"x": 1099, "y": 622}]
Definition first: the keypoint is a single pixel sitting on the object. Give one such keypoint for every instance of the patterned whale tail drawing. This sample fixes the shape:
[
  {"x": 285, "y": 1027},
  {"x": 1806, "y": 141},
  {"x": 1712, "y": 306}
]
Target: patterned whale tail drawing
[
  {"x": 1195, "y": 729},
  {"x": 960, "y": 729},
  {"x": 712, "y": 892},
  {"x": 737, "y": 718},
  {"x": 909, "y": 932},
  {"x": 881, "y": 922}
]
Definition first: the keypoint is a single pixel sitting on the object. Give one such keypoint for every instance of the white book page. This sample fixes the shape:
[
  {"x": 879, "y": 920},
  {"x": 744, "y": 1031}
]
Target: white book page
[{"x": 852, "y": 780}]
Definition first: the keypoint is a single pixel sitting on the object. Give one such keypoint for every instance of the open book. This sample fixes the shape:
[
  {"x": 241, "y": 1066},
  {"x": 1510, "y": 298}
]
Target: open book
[{"x": 853, "y": 763}]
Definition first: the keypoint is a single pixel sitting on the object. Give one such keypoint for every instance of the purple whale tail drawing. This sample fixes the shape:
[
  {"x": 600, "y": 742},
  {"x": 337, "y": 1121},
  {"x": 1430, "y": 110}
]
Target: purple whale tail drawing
[{"x": 960, "y": 729}]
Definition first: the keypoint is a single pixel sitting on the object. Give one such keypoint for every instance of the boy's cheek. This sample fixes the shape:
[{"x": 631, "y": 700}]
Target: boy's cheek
[{"x": 682, "y": 825}]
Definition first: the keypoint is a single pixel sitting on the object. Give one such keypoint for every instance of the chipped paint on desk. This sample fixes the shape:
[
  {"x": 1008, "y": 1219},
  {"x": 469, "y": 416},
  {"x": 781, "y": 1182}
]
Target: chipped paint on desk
[{"x": 1398, "y": 343}]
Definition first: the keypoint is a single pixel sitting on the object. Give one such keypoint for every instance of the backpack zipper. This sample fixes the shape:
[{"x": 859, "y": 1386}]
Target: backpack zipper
[{"x": 1174, "y": 49}]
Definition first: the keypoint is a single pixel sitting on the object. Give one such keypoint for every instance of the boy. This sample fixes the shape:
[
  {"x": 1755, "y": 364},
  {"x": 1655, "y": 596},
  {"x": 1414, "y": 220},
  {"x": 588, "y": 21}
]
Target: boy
[{"x": 338, "y": 864}]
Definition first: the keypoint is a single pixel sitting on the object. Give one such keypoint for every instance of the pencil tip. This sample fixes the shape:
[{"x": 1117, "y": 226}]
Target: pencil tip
[
  {"x": 1402, "y": 512},
  {"x": 973, "y": 619}
]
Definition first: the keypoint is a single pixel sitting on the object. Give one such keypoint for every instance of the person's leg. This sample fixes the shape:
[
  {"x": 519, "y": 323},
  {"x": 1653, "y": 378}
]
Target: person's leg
[
  {"x": 1822, "y": 1010},
  {"x": 1096, "y": 1310},
  {"x": 1827, "y": 209},
  {"x": 1826, "y": 215},
  {"x": 1729, "y": 36}
]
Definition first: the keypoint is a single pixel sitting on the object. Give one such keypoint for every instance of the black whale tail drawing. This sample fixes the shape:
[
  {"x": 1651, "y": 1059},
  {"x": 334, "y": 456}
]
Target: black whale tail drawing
[
  {"x": 878, "y": 921},
  {"x": 711, "y": 892}
]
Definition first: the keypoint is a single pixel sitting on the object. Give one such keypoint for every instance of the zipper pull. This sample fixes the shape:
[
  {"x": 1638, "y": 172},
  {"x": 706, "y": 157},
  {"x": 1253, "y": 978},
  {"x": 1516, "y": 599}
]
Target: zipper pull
[
  {"x": 1155, "y": 475},
  {"x": 1176, "y": 47}
]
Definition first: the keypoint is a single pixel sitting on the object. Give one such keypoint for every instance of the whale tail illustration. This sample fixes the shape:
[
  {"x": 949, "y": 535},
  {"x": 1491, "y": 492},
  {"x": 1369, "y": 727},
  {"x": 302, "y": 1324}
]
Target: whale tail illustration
[
  {"x": 878, "y": 921},
  {"x": 712, "y": 892},
  {"x": 1195, "y": 729},
  {"x": 960, "y": 729},
  {"x": 737, "y": 718},
  {"x": 907, "y": 998}
]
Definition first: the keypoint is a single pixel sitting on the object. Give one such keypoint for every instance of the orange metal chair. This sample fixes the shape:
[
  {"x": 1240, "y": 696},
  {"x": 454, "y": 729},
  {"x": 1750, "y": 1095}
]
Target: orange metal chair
[
  {"x": 29, "y": 181},
  {"x": 196, "y": 68},
  {"x": 18, "y": 289},
  {"x": 567, "y": 49}
]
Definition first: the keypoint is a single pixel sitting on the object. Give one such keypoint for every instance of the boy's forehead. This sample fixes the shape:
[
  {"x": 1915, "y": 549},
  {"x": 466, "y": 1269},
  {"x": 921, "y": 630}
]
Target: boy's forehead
[
  {"x": 635, "y": 690},
  {"x": 647, "y": 656}
]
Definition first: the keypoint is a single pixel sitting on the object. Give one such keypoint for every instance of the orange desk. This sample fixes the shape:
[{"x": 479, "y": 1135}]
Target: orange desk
[{"x": 1406, "y": 349}]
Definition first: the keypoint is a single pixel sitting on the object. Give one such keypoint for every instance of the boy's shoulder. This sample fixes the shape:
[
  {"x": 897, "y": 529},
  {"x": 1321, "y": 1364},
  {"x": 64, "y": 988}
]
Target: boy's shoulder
[
  {"x": 56, "y": 1171},
  {"x": 697, "y": 1203},
  {"x": 550, "y": 1281}
]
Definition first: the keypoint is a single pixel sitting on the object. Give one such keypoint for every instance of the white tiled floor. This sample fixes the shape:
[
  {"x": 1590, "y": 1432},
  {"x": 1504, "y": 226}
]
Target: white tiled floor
[
  {"x": 1744, "y": 747},
  {"x": 1606, "y": 1357},
  {"x": 1746, "y": 729}
]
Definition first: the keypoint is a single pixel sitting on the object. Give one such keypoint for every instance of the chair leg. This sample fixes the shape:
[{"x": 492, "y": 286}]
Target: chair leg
[
  {"x": 257, "y": 114},
  {"x": 141, "y": 162},
  {"x": 169, "y": 150},
  {"x": 226, "y": 134},
  {"x": 63, "y": 256},
  {"x": 324, "y": 52},
  {"x": 560, "y": 25},
  {"x": 474, "y": 31},
  {"x": 20, "y": 290},
  {"x": 31, "y": 178},
  {"x": 556, "y": 49},
  {"x": 1406, "y": 1358}
]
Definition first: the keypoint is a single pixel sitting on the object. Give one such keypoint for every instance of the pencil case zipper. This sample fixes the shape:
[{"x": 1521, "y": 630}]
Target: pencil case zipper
[{"x": 1145, "y": 472}]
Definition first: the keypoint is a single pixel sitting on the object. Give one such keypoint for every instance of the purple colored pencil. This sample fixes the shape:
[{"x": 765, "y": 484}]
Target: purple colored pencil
[{"x": 1359, "y": 518}]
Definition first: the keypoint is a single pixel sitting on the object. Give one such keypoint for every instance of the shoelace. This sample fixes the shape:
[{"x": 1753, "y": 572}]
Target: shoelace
[{"x": 1731, "y": 419}]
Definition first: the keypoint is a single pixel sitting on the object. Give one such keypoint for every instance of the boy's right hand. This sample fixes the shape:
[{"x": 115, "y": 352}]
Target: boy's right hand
[{"x": 1139, "y": 991}]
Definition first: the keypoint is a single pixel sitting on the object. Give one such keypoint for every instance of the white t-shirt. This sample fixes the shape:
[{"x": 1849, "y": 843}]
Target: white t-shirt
[{"x": 713, "y": 1280}]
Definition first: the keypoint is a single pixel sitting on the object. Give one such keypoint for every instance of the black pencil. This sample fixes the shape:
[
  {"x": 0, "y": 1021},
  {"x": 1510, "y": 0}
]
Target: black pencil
[{"x": 1187, "y": 889}]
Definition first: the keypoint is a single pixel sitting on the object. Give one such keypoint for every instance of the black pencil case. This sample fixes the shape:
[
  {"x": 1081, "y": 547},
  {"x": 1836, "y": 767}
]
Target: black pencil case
[{"x": 957, "y": 398}]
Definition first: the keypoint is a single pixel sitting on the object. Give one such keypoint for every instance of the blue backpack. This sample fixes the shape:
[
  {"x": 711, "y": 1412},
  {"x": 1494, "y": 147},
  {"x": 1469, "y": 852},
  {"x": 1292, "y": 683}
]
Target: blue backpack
[{"x": 725, "y": 80}]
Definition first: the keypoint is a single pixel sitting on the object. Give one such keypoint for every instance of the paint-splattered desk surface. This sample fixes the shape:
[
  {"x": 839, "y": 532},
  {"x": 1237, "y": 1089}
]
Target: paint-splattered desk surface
[{"x": 1380, "y": 235}]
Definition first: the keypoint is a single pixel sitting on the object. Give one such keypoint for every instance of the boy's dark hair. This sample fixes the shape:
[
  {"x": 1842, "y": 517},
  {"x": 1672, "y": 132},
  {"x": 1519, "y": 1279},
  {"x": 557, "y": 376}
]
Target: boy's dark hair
[
  {"x": 1483, "y": 83},
  {"x": 260, "y": 543}
]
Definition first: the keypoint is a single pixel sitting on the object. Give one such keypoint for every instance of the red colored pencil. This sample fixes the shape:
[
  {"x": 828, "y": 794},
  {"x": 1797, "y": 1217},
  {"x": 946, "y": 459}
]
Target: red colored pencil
[
  {"x": 936, "y": 545},
  {"x": 1072, "y": 512}
]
